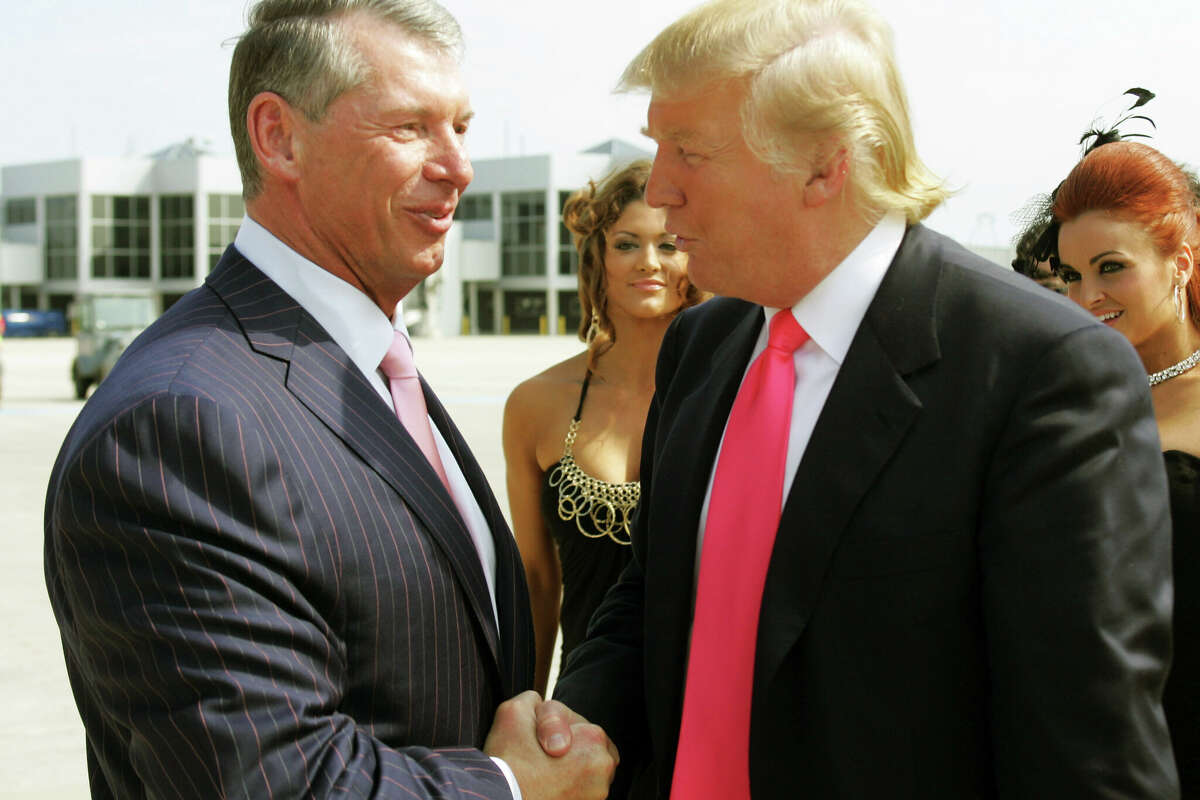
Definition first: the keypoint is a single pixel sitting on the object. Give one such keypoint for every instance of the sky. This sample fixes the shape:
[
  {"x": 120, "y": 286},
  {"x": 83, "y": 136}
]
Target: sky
[{"x": 999, "y": 91}]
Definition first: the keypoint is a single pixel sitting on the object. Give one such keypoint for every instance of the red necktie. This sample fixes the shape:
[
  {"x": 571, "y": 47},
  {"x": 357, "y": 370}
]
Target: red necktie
[
  {"x": 410, "y": 400},
  {"x": 713, "y": 758}
]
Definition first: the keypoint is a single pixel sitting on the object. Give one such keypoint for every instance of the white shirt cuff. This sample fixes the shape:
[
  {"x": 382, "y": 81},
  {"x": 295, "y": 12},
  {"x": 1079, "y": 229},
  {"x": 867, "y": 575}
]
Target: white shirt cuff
[{"x": 508, "y": 776}]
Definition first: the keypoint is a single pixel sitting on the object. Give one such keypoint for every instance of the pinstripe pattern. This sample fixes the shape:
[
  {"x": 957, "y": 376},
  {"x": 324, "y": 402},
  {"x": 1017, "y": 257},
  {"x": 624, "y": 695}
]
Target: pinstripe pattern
[{"x": 263, "y": 588}]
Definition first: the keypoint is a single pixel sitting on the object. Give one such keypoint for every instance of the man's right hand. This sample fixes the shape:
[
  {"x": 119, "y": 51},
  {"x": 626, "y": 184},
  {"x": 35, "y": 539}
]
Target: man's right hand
[{"x": 583, "y": 771}]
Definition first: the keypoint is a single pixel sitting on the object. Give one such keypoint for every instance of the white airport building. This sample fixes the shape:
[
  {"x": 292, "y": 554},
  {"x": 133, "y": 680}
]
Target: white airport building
[{"x": 150, "y": 225}]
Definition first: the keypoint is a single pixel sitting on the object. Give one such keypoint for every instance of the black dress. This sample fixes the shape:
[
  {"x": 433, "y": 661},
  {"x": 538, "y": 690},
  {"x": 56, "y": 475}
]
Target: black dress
[
  {"x": 1181, "y": 700},
  {"x": 589, "y": 520}
]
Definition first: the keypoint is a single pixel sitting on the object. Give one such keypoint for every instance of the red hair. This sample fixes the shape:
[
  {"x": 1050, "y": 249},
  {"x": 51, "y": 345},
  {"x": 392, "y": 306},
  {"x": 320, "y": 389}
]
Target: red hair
[{"x": 1140, "y": 184}]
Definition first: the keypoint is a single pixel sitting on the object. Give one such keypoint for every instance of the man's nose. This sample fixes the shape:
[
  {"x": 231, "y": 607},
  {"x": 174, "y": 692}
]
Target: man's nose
[
  {"x": 449, "y": 162},
  {"x": 661, "y": 192}
]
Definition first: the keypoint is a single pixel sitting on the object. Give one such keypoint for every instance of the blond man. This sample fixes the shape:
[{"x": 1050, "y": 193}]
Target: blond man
[{"x": 903, "y": 529}]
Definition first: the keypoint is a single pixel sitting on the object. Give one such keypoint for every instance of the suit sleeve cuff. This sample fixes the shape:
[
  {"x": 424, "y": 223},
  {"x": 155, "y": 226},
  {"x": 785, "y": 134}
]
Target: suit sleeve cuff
[{"x": 508, "y": 776}]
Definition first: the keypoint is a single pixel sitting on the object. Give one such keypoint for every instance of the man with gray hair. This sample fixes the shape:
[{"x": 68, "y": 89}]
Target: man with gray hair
[
  {"x": 904, "y": 528},
  {"x": 277, "y": 568}
]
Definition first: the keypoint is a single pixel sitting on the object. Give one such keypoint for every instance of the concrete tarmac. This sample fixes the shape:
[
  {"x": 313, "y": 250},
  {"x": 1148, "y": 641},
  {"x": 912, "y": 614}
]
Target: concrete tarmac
[{"x": 41, "y": 738}]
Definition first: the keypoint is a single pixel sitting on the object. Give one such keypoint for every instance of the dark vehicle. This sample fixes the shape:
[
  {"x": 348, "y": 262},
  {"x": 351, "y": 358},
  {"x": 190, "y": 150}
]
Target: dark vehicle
[
  {"x": 22, "y": 322},
  {"x": 106, "y": 324}
]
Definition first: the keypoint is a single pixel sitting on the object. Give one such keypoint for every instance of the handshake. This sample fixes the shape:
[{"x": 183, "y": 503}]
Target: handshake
[{"x": 552, "y": 751}]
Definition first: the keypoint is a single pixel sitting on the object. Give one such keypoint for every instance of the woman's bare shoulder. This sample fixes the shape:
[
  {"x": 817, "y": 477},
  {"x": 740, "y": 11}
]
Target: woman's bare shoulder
[{"x": 547, "y": 391}]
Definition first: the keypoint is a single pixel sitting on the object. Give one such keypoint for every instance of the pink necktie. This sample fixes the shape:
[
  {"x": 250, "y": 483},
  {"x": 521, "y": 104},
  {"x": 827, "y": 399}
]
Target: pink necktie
[
  {"x": 410, "y": 401},
  {"x": 713, "y": 759}
]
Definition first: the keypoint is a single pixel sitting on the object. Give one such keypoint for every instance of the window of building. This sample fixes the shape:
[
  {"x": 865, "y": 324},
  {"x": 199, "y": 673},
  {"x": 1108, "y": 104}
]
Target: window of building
[
  {"x": 523, "y": 233},
  {"x": 568, "y": 256},
  {"x": 120, "y": 236},
  {"x": 473, "y": 207},
  {"x": 525, "y": 312},
  {"x": 60, "y": 302},
  {"x": 20, "y": 211},
  {"x": 177, "y": 235},
  {"x": 61, "y": 238},
  {"x": 225, "y": 213},
  {"x": 485, "y": 316},
  {"x": 569, "y": 313},
  {"x": 169, "y": 299}
]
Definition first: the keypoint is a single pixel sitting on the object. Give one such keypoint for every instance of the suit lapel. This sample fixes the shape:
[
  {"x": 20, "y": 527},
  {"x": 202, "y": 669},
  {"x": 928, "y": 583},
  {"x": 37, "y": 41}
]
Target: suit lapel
[
  {"x": 515, "y": 649},
  {"x": 864, "y": 420},
  {"x": 680, "y": 483},
  {"x": 323, "y": 379}
]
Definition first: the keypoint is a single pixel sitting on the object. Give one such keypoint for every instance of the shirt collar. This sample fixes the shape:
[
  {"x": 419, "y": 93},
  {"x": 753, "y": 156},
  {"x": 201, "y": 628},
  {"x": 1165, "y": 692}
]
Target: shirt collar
[
  {"x": 350, "y": 318},
  {"x": 833, "y": 310}
]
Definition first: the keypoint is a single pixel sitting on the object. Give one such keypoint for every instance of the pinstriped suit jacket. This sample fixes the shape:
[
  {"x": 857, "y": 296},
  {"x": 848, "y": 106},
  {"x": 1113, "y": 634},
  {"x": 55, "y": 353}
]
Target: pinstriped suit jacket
[{"x": 263, "y": 588}]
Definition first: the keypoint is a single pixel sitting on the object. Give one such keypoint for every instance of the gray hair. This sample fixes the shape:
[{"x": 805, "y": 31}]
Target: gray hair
[{"x": 299, "y": 50}]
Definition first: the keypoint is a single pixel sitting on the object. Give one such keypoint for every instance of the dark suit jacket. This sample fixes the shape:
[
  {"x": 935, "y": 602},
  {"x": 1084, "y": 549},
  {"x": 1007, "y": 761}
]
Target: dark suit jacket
[
  {"x": 969, "y": 594},
  {"x": 263, "y": 588}
]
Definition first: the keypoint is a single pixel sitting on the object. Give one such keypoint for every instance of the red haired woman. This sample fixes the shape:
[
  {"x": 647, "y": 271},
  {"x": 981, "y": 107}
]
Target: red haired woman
[{"x": 1128, "y": 242}]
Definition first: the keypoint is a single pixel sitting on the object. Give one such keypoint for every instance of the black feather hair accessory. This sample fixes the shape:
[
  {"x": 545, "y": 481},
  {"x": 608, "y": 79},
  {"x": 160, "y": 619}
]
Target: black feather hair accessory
[
  {"x": 1103, "y": 136},
  {"x": 1038, "y": 211}
]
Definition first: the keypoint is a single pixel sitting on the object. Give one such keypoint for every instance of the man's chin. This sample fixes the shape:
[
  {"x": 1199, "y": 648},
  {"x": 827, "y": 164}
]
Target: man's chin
[
  {"x": 429, "y": 260},
  {"x": 703, "y": 278}
]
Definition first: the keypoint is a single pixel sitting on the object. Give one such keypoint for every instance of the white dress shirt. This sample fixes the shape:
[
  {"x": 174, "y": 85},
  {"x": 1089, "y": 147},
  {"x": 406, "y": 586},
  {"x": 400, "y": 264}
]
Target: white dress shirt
[
  {"x": 830, "y": 314},
  {"x": 364, "y": 332}
]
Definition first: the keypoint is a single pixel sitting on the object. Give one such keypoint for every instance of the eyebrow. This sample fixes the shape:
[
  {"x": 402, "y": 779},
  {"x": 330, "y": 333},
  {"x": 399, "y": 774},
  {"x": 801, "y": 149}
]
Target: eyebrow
[
  {"x": 1099, "y": 256},
  {"x": 423, "y": 112},
  {"x": 635, "y": 235},
  {"x": 677, "y": 135}
]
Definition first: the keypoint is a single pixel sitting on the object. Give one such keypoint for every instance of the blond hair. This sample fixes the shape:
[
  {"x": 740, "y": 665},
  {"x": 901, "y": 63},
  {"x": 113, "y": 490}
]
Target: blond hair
[
  {"x": 811, "y": 68},
  {"x": 300, "y": 50}
]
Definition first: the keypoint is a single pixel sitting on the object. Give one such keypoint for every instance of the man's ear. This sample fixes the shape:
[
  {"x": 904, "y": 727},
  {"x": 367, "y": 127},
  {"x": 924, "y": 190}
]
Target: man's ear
[
  {"x": 828, "y": 178},
  {"x": 271, "y": 123}
]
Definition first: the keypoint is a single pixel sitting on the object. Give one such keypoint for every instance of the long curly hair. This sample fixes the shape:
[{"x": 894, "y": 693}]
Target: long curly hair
[{"x": 588, "y": 214}]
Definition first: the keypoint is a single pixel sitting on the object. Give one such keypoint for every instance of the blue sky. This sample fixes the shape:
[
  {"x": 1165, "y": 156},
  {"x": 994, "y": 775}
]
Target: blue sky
[{"x": 1000, "y": 91}]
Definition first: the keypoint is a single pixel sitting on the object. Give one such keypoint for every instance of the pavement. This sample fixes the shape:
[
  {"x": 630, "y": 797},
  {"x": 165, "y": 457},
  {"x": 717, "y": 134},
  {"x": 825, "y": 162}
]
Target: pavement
[{"x": 41, "y": 737}]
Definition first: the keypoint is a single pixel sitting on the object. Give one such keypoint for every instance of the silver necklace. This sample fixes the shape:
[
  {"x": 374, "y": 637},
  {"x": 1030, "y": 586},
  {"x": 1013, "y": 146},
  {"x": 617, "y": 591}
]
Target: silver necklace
[{"x": 1175, "y": 369}]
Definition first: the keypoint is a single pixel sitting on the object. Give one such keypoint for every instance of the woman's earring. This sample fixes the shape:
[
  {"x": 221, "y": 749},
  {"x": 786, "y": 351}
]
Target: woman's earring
[
  {"x": 592, "y": 331},
  {"x": 1179, "y": 303}
]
